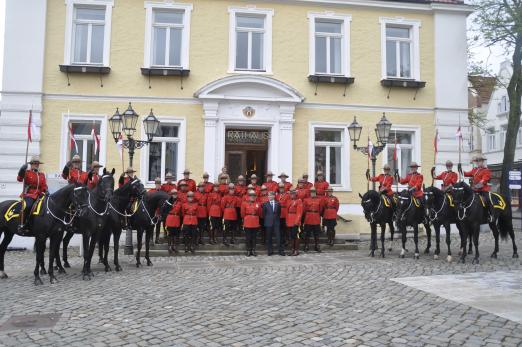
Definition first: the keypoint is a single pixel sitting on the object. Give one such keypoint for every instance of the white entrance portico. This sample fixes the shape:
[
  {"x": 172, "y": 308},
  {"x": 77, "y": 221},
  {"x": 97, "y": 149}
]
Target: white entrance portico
[{"x": 249, "y": 102}]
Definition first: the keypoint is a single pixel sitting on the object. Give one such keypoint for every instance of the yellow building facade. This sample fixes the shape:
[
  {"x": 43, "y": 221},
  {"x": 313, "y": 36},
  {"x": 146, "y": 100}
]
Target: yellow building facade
[{"x": 254, "y": 85}]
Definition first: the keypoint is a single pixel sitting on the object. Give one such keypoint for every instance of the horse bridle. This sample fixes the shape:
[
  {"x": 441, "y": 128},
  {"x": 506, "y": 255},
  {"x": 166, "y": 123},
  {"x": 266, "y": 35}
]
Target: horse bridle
[
  {"x": 372, "y": 214},
  {"x": 464, "y": 208},
  {"x": 49, "y": 211},
  {"x": 101, "y": 214},
  {"x": 403, "y": 213},
  {"x": 433, "y": 210}
]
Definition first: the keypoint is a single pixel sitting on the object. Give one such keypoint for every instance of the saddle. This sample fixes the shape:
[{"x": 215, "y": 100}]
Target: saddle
[
  {"x": 495, "y": 200},
  {"x": 450, "y": 200},
  {"x": 14, "y": 210},
  {"x": 386, "y": 201},
  {"x": 415, "y": 201}
]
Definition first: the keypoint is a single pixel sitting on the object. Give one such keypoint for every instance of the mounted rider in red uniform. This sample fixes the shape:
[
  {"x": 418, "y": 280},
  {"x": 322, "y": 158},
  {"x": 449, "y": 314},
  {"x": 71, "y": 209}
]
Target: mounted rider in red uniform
[
  {"x": 72, "y": 171},
  {"x": 35, "y": 186},
  {"x": 95, "y": 176},
  {"x": 414, "y": 181},
  {"x": 480, "y": 177},
  {"x": 448, "y": 177},
  {"x": 385, "y": 180}
]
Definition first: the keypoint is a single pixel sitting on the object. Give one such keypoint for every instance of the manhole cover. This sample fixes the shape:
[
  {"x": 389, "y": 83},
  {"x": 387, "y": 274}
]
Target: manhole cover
[{"x": 34, "y": 321}]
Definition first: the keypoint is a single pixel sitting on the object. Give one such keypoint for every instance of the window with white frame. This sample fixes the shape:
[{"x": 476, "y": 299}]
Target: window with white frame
[
  {"x": 88, "y": 32},
  {"x": 400, "y": 48},
  {"x": 328, "y": 158},
  {"x": 405, "y": 151},
  {"x": 167, "y": 35},
  {"x": 502, "y": 136},
  {"x": 251, "y": 40},
  {"x": 163, "y": 152},
  {"x": 491, "y": 139},
  {"x": 85, "y": 145}
]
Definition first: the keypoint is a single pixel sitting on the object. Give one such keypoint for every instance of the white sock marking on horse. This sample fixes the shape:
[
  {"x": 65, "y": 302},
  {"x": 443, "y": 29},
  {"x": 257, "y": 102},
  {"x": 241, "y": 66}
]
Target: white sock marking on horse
[{"x": 403, "y": 251}]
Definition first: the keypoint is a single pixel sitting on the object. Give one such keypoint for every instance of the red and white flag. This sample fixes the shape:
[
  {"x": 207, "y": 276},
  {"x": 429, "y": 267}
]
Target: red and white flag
[
  {"x": 370, "y": 148},
  {"x": 459, "y": 134},
  {"x": 395, "y": 151},
  {"x": 72, "y": 140},
  {"x": 119, "y": 144},
  {"x": 31, "y": 128},
  {"x": 95, "y": 138},
  {"x": 436, "y": 141}
]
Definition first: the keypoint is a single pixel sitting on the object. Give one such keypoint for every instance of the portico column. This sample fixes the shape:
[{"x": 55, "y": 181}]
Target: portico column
[
  {"x": 210, "y": 139},
  {"x": 286, "y": 127}
]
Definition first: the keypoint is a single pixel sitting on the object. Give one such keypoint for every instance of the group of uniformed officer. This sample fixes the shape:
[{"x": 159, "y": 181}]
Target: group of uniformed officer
[{"x": 238, "y": 207}]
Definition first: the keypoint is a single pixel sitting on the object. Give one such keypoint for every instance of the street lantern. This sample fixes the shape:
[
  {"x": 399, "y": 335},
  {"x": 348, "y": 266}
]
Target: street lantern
[
  {"x": 116, "y": 123},
  {"x": 151, "y": 125},
  {"x": 130, "y": 119},
  {"x": 354, "y": 130},
  {"x": 383, "y": 130}
]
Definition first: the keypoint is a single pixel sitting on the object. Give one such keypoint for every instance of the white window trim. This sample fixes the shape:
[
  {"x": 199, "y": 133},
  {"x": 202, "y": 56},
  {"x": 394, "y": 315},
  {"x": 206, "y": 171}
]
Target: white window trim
[
  {"x": 267, "y": 49},
  {"x": 150, "y": 6},
  {"x": 109, "y": 4},
  {"x": 82, "y": 117},
  {"x": 417, "y": 146},
  {"x": 346, "y": 51},
  {"x": 415, "y": 61},
  {"x": 345, "y": 185},
  {"x": 144, "y": 158}
]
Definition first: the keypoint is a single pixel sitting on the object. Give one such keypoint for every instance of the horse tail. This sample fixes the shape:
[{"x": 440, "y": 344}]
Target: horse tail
[{"x": 505, "y": 221}]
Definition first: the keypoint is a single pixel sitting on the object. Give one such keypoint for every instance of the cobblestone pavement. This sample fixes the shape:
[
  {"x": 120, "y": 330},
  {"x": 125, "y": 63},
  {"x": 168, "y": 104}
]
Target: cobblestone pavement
[{"x": 328, "y": 299}]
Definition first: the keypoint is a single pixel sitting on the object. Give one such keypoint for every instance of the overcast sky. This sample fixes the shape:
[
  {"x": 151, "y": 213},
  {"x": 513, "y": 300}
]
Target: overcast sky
[{"x": 494, "y": 56}]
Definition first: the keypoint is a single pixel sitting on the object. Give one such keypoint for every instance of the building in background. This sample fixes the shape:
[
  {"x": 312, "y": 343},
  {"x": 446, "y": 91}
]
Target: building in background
[{"x": 254, "y": 85}]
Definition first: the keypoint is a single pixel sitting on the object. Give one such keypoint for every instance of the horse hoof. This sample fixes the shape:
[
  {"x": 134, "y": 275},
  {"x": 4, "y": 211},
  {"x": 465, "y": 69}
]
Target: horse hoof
[
  {"x": 43, "y": 272},
  {"x": 117, "y": 268},
  {"x": 436, "y": 257},
  {"x": 86, "y": 277},
  {"x": 53, "y": 279},
  {"x": 416, "y": 256},
  {"x": 401, "y": 256},
  {"x": 449, "y": 259},
  {"x": 66, "y": 264},
  {"x": 494, "y": 255},
  {"x": 138, "y": 264},
  {"x": 149, "y": 263},
  {"x": 61, "y": 271},
  {"x": 462, "y": 260},
  {"x": 470, "y": 251},
  {"x": 382, "y": 255},
  {"x": 3, "y": 275},
  {"x": 389, "y": 249},
  {"x": 475, "y": 261},
  {"x": 515, "y": 256},
  {"x": 371, "y": 254},
  {"x": 108, "y": 269},
  {"x": 56, "y": 267},
  {"x": 427, "y": 251},
  {"x": 38, "y": 281},
  {"x": 100, "y": 261}
]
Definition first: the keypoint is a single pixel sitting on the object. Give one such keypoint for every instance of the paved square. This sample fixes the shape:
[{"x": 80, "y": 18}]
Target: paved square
[
  {"x": 499, "y": 293},
  {"x": 328, "y": 299}
]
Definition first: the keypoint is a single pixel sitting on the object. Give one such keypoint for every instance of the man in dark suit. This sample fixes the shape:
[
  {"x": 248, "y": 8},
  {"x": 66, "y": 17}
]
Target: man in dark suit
[{"x": 271, "y": 218}]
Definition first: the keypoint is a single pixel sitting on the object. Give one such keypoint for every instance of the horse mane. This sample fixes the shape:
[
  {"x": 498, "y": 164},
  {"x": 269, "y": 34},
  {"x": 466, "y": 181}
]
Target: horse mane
[
  {"x": 153, "y": 198},
  {"x": 63, "y": 191},
  {"x": 372, "y": 195}
]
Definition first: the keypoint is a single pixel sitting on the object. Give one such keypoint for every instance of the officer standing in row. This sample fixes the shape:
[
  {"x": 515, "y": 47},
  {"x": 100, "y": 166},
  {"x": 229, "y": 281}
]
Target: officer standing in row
[{"x": 250, "y": 213}]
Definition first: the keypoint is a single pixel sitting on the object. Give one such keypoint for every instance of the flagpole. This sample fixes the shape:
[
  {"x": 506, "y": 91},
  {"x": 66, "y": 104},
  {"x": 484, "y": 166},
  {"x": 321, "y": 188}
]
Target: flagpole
[
  {"x": 29, "y": 135},
  {"x": 435, "y": 150},
  {"x": 368, "y": 160},
  {"x": 460, "y": 151}
]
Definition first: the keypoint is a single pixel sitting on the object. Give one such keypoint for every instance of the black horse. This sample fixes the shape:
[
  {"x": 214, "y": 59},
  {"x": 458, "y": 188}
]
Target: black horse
[
  {"x": 52, "y": 218},
  {"x": 118, "y": 218},
  {"x": 472, "y": 211},
  {"x": 91, "y": 221},
  {"x": 441, "y": 211},
  {"x": 410, "y": 212},
  {"x": 378, "y": 210},
  {"x": 144, "y": 219}
]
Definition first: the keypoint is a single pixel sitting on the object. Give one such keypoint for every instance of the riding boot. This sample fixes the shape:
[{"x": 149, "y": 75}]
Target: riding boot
[
  {"x": 176, "y": 243},
  {"x": 297, "y": 242},
  {"x": 186, "y": 243},
  {"x": 293, "y": 248},
  {"x": 232, "y": 239},
  {"x": 317, "y": 248},
  {"x": 307, "y": 240},
  {"x": 225, "y": 234}
]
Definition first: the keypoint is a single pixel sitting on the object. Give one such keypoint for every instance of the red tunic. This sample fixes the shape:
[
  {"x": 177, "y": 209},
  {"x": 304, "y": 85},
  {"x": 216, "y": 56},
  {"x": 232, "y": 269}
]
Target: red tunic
[
  {"x": 201, "y": 199},
  {"x": 214, "y": 205},
  {"x": 125, "y": 180},
  {"x": 448, "y": 178},
  {"x": 223, "y": 189},
  {"x": 250, "y": 212},
  {"x": 182, "y": 196},
  {"x": 189, "y": 212},
  {"x": 209, "y": 187},
  {"x": 308, "y": 185},
  {"x": 91, "y": 183},
  {"x": 480, "y": 175},
  {"x": 283, "y": 201},
  {"x": 385, "y": 183},
  {"x": 288, "y": 186},
  {"x": 313, "y": 210},
  {"x": 167, "y": 187},
  {"x": 174, "y": 216},
  {"x": 303, "y": 193},
  {"x": 240, "y": 190},
  {"x": 271, "y": 186},
  {"x": 295, "y": 213},
  {"x": 262, "y": 199},
  {"x": 75, "y": 176},
  {"x": 34, "y": 184},
  {"x": 330, "y": 207},
  {"x": 229, "y": 205},
  {"x": 321, "y": 187},
  {"x": 191, "y": 184},
  {"x": 414, "y": 180}
]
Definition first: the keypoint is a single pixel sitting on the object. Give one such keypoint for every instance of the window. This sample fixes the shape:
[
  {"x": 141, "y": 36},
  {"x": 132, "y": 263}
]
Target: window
[
  {"x": 328, "y": 154},
  {"x": 329, "y": 44},
  {"x": 81, "y": 127},
  {"x": 491, "y": 139},
  {"x": 400, "y": 48},
  {"x": 503, "y": 106},
  {"x": 88, "y": 32},
  {"x": 519, "y": 137},
  {"x": 167, "y": 35},
  {"x": 405, "y": 151},
  {"x": 251, "y": 40},
  {"x": 163, "y": 152},
  {"x": 502, "y": 137}
]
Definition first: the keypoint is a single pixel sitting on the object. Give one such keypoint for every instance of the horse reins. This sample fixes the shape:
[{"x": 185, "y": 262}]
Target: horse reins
[
  {"x": 465, "y": 208},
  {"x": 436, "y": 212},
  {"x": 372, "y": 218},
  {"x": 57, "y": 218},
  {"x": 93, "y": 209}
]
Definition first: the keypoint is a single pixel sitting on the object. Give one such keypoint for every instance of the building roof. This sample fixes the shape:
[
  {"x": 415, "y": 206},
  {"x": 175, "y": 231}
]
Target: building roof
[
  {"x": 484, "y": 86},
  {"x": 456, "y": 2}
]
